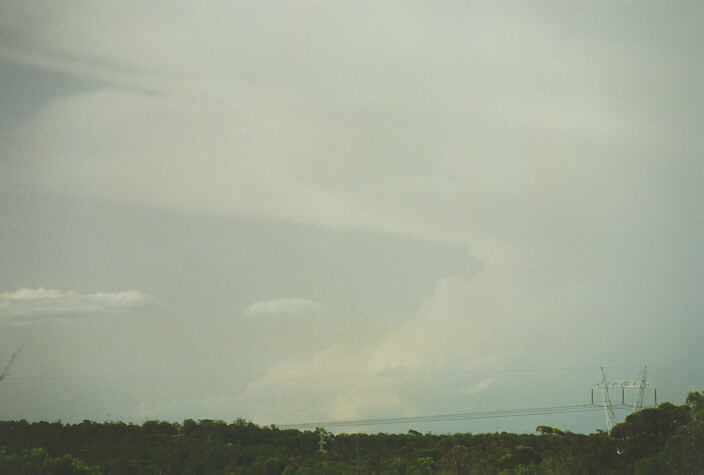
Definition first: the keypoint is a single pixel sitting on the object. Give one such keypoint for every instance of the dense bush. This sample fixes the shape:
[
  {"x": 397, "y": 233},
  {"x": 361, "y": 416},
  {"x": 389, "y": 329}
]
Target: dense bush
[{"x": 665, "y": 439}]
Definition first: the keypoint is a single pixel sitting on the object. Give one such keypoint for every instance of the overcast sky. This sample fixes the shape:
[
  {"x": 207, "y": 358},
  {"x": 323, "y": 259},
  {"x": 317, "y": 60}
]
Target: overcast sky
[{"x": 294, "y": 211}]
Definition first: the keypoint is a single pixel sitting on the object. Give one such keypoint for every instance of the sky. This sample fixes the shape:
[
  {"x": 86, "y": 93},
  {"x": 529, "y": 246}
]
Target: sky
[{"x": 318, "y": 211}]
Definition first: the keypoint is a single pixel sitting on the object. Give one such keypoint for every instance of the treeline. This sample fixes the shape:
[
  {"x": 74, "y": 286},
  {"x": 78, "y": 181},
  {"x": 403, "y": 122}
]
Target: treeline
[{"x": 665, "y": 439}]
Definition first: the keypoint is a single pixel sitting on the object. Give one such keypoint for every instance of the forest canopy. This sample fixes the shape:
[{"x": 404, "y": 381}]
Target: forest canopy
[{"x": 662, "y": 439}]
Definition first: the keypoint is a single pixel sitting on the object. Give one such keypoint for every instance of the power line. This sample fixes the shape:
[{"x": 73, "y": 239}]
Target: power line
[
  {"x": 6, "y": 368},
  {"x": 450, "y": 417},
  {"x": 379, "y": 375}
]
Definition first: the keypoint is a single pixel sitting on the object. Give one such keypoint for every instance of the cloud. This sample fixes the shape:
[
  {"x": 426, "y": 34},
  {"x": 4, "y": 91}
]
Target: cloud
[
  {"x": 293, "y": 306},
  {"x": 435, "y": 362},
  {"x": 27, "y": 304},
  {"x": 456, "y": 328},
  {"x": 443, "y": 112},
  {"x": 477, "y": 388}
]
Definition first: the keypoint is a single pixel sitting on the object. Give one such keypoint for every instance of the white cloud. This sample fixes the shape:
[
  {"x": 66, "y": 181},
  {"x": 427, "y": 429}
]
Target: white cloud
[
  {"x": 293, "y": 306},
  {"x": 31, "y": 294},
  {"x": 477, "y": 388},
  {"x": 457, "y": 328},
  {"x": 27, "y": 304}
]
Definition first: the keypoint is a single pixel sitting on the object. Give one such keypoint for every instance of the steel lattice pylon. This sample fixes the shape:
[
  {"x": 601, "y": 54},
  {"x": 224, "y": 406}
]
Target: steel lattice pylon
[{"x": 640, "y": 385}]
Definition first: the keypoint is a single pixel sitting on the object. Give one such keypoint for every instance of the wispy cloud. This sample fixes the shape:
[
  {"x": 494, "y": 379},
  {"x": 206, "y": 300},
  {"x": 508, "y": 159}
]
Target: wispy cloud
[
  {"x": 477, "y": 388},
  {"x": 27, "y": 304},
  {"x": 293, "y": 306}
]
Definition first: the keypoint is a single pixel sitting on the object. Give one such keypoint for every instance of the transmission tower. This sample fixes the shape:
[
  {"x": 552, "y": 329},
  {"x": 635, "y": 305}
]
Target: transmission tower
[
  {"x": 324, "y": 435},
  {"x": 639, "y": 385}
]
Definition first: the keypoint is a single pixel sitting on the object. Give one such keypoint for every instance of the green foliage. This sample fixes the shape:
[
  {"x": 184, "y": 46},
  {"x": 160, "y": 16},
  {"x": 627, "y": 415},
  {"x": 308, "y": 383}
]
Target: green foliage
[
  {"x": 547, "y": 430},
  {"x": 665, "y": 439},
  {"x": 646, "y": 432},
  {"x": 38, "y": 461}
]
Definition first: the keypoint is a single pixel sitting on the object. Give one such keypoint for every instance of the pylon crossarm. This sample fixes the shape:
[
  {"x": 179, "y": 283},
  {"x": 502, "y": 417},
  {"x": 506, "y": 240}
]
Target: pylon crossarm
[
  {"x": 626, "y": 383},
  {"x": 640, "y": 385}
]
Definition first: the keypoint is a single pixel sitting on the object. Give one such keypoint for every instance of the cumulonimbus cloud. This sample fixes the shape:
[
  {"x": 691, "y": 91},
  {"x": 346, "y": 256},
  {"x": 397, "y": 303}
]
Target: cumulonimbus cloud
[
  {"x": 294, "y": 306},
  {"x": 27, "y": 304},
  {"x": 456, "y": 328}
]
